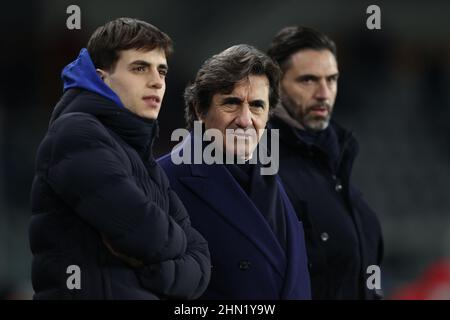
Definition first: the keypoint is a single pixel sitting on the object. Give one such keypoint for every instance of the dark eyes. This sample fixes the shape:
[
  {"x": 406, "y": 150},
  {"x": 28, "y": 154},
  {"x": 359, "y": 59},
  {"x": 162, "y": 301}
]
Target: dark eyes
[
  {"x": 257, "y": 106},
  {"x": 332, "y": 79},
  {"x": 307, "y": 80},
  {"x": 143, "y": 69},
  {"x": 312, "y": 80},
  {"x": 140, "y": 69}
]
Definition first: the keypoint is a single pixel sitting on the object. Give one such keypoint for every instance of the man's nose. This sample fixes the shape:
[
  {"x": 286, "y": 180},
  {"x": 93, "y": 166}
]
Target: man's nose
[
  {"x": 155, "y": 80},
  {"x": 323, "y": 91},
  {"x": 244, "y": 118}
]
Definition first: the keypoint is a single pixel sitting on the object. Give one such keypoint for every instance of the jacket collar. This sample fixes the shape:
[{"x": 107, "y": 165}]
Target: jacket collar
[
  {"x": 137, "y": 132},
  {"x": 282, "y": 120}
]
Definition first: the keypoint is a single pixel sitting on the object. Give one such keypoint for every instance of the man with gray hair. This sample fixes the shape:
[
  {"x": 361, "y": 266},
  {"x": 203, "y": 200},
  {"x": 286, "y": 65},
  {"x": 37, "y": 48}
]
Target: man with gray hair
[{"x": 255, "y": 239}]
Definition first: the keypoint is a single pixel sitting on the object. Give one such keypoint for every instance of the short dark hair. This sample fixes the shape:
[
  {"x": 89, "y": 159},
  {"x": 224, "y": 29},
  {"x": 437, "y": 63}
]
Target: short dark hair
[
  {"x": 108, "y": 40},
  {"x": 221, "y": 72},
  {"x": 295, "y": 38}
]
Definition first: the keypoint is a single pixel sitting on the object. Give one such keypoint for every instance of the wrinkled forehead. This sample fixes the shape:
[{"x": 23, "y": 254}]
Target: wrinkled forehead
[{"x": 253, "y": 85}]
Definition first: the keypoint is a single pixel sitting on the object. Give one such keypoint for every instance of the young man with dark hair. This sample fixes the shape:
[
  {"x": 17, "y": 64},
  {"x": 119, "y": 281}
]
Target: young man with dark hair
[
  {"x": 343, "y": 235},
  {"x": 105, "y": 223},
  {"x": 256, "y": 241}
]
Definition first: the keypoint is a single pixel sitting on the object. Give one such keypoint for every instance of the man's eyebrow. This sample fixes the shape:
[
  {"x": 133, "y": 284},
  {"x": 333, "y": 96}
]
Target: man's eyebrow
[
  {"x": 334, "y": 75},
  {"x": 163, "y": 66},
  {"x": 307, "y": 76},
  {"x": 315, "y": 77},
  {"x": 231, "y": 100},
  {"x": 142, "y": 63}
]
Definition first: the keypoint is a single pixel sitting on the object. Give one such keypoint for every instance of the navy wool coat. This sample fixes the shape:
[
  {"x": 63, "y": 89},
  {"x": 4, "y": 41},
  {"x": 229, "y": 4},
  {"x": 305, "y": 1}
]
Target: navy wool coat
[{"x": 247, "y": 260}]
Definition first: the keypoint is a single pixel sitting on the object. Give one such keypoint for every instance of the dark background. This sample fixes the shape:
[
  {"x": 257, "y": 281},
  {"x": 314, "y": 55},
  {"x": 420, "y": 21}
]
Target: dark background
[{"x": 393, "y": 93}]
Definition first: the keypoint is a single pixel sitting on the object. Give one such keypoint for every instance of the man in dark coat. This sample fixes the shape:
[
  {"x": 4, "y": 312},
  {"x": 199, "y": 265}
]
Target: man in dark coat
[
  {"x": 343, "y": 235},
  {"x": 256, "y": 240},
  {"x": 105, "y": 222}
]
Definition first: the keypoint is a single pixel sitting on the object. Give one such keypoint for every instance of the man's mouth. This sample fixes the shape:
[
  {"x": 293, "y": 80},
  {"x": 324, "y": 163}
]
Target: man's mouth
[
  {"x": 152, "y": 101},
  {"x": 320, "y": 110},
  {"x": 244, "y": 134}
]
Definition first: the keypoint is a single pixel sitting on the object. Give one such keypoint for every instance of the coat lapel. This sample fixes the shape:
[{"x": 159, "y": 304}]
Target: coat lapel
[{"x": 215, "y": 185}]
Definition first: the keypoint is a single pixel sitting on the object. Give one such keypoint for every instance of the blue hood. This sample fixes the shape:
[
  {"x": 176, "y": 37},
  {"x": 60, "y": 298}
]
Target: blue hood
[{"x": 81, "y": 74}]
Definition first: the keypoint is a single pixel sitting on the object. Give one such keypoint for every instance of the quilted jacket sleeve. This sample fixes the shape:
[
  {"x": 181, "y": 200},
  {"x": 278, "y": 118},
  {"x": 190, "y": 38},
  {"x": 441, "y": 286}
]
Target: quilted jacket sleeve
[{"x": 188, "y": 276}]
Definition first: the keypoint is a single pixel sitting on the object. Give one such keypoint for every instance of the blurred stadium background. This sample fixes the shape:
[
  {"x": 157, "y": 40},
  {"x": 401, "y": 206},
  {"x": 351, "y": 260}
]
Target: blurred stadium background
[{"x": 393, "y": 93}]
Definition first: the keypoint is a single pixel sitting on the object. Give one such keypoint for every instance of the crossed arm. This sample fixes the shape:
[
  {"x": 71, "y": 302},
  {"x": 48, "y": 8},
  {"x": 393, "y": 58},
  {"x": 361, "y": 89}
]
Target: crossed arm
[{"x": 170, "y": 257}]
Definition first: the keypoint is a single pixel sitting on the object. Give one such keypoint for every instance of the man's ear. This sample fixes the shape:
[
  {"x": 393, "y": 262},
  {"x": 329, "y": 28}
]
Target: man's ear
[{"x": 101, "y": 73}]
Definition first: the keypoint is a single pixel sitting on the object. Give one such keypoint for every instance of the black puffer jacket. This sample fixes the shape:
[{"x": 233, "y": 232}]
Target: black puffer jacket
[{"x": 96, "y": 178}]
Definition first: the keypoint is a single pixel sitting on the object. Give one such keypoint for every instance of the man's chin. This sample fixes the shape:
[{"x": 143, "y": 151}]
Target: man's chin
[
  {"x": 317, "y": 125},
  {"x": 239, "y": 155},
  {"x": 150, "y": 115},
  {"x": 242, "y": 158}
]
